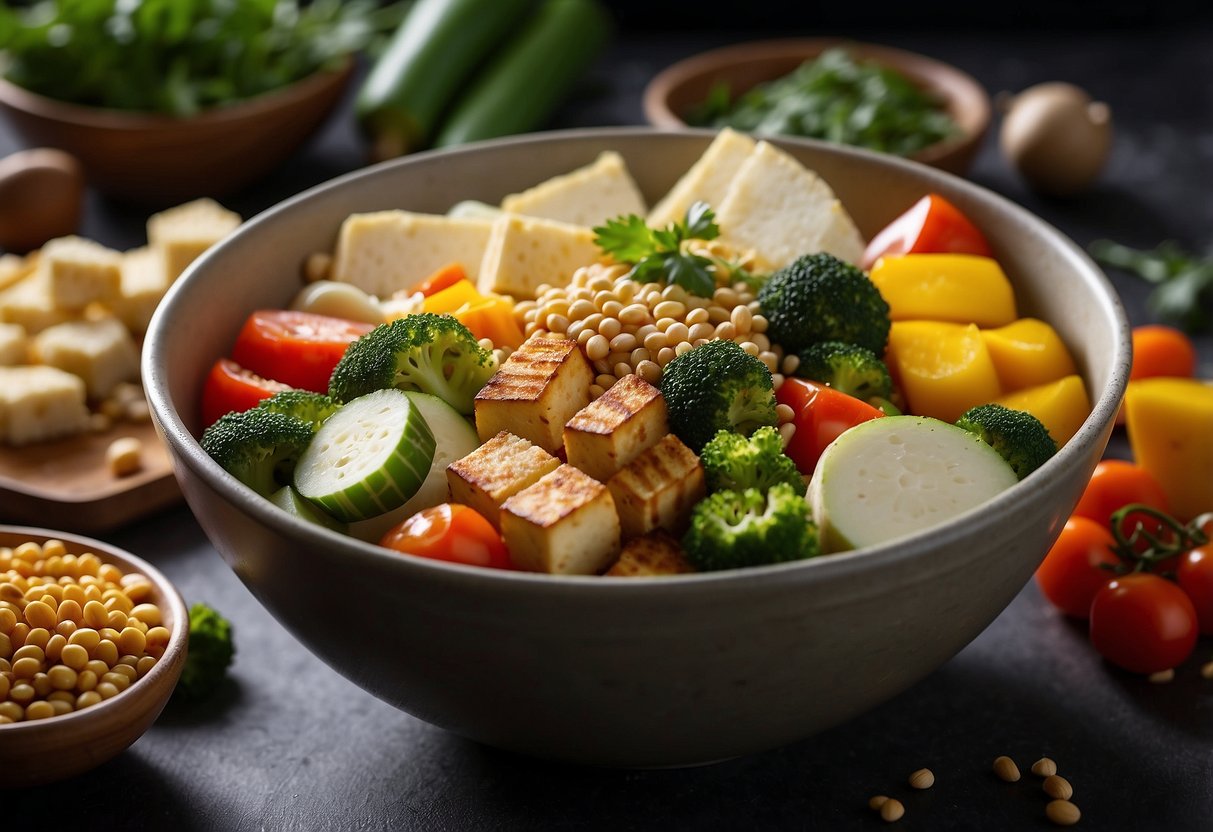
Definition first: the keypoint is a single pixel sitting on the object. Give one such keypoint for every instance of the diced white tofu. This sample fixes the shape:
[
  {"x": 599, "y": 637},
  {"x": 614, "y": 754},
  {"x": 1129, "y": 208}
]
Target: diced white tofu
[
  {"x": 781, "y": 210},
  {"x": 14, "y": 345},
  {"x": 14, "y": 268},
  {"x": 658, "y": 489},
  {"x": 653, "y": 554},
  {"x": 389, "y": 251},
  {"x": 101, "y": 352},
  {"x": 78, "y": 272},
  {"x": 496, "y": 471},
  {"x": 144, "y": 282},
  {"x": 588, "y": 196},
  {"x": 29, "y": 303},
  {"x": 39, "y": 403},
  {"x": 535, "y": 391},
  {"x": 183, "y": 232},
  {"x": 615, "y": 428},
  {"x": 525, "y": 252},
  {"x": 707, "y": 180},
  {"x": 564, "y": 524}
]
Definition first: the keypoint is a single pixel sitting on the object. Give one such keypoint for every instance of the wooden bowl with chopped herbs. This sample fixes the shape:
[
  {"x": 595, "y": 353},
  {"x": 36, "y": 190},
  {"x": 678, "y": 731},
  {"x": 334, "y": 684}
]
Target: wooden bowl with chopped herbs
[{"x": 859, "y": 94}]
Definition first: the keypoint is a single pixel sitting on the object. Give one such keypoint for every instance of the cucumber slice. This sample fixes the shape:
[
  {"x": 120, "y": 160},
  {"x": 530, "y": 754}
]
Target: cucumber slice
[
  {"x": 889, "y": 478},
  {"x": 292, "y": 502},
  {"x": 369, "y": 457}
]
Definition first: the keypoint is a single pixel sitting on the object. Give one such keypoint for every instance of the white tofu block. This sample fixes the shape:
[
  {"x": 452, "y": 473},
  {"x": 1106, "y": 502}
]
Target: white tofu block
[
  {"x": 183, "y": 232},
  {"x": 658, "y": 489},
  {"x": 14, "y": 268},
  {"x": 144, "y": 282},
  {"x": 78, "y": 272},
  {"x": 781, "y": 210},
  {"x": 564, "y": 524},
  {"x": 496, "y": 471},
  {"x": 588, "y": 196},
  {"x": 615, "y": 428},
  {"x": 525, "y": 252},
  {"x": 101, "y": 352},
  {"x": 14, "y": 345},
  {"x": 390, "y": 251},
  {"x": 39, "y": 403},
  {"x": 656, "y": 553},
  {"x": 29, "y": 304},
  {"x": 707, "y": 180}
]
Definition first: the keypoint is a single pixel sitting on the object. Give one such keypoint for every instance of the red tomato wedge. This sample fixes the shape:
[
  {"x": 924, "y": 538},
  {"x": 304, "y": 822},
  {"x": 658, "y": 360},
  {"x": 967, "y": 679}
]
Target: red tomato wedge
[
  {"x": 932, "y": 225},
  {"x": 450, "y": 532},
  {"x": 230, "y": 387},
  {"x": 822, "y": 414},
  {"x": 297, "y": 348}
]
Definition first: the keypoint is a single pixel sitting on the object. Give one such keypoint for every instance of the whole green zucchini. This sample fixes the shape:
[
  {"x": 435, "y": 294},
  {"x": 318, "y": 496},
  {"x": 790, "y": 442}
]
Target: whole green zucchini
[{"x": 522, "y": 85}]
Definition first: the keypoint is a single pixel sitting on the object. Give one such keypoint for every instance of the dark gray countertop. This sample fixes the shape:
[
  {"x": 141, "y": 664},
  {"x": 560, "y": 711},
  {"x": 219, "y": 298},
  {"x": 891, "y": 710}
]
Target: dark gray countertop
[{"x": 290, "y": 744}]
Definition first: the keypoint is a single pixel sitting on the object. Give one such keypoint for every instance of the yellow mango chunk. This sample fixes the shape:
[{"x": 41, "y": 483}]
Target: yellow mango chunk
[
  {"x": 1170, "y": 425},
  {"x": 1062, "y": 406},
  {"x": 943, "y": 368},
  {"x": 1026, "y": 353},
  {"x": 459, "y": 294},
  {"x": 961, "y": 288}
]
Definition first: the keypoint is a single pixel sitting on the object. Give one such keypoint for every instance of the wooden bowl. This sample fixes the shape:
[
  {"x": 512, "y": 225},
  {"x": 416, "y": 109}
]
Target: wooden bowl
[
  {"x": 678, "y": 88},
  {"x": 158, "y": 159},
  {"x": 46, "y": 750}
]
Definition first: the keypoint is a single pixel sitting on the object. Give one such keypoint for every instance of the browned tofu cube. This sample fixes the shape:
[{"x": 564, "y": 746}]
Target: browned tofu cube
[
  {"x": 565, "y": 524},
  {"x": 658, "y": 489},
  {"x": 496, "y": 471},
  {"x": 615, "y": 428},
  {"x": 656, "y": 553}
]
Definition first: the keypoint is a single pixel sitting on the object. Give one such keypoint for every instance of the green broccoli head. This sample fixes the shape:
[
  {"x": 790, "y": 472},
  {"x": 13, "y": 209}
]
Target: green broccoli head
[
  {"x": 734, "y": 463},
  {"x": 822, "y": 298},
  {"x": 736, "y": 529},
  {"x": 717, "y": 386},
  {"x": 302, "y": 404},
  {"x": 210, "y": 653},
  {"x": 1018, "y": 436},
  {"x": 431, "y": 353},
  {"x": 848, "y": 368},
  {"x": 259, "y": 447}
]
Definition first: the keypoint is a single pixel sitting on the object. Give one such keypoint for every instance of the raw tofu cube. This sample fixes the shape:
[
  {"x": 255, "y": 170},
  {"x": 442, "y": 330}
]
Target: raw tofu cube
[
  {"x": 144, "y": 282},
  {"x": 707, "y": 180},
  {"x": 185, "y": 231},
  {"x": 525, "y": 252},
  {"x": 615, "y": 428},
  {"x": 538, "y": 388},
  {"x": 388, "y": 251},
  {"x": 565, "y": 524},
  {"x": 14, "y": 345},
  {"x": 14, "y": 269},
  {"x": 588, "y": 196},
  {"x": 79, "y": 271},
  {"x": 656, "y": 553},
  {"x": 781, "y": 209},
  {"x": 29, "y": 304},
  {"x": 39, "y": 403},
  {"x": 102, "y": 353},
  {"x": 496, "y": 471},
  {"x": 658, "y": 489}
]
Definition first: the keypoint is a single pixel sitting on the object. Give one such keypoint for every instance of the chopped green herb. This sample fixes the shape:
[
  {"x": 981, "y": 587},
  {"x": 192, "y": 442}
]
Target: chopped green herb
[{"x": 1183, "y": 282}]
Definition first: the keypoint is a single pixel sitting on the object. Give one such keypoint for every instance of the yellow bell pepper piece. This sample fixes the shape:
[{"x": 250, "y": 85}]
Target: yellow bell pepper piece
[
  {"x": 1170, "y": 425},
  {"x": 492, "y": 318},
  {"x": 462, "y": 293},
  {"x": 962, "y": 288},
  {"x": 1062, "y": 405},
  {"x": 1026, "y": 353},
  {"x": 943, "y": 368}
]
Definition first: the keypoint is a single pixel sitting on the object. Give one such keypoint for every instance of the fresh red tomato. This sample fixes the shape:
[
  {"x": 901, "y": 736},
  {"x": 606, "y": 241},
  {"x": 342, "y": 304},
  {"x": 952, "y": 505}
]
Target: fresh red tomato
[
  {"x": 230, "y": 387},
  {"x": 932, "y": 225},
  {"x": 1162, "y": 351},
  {"x": 822, "y": 414},
  {"x": 297, "y": 348},
  {"x": 1143, "y": 623},
  {"x": 1073, "y": 570},
  {"x": 450, "y": 532},
  {"x": 1116, "y": 483},
  {"x": 1194, "y": 573}
]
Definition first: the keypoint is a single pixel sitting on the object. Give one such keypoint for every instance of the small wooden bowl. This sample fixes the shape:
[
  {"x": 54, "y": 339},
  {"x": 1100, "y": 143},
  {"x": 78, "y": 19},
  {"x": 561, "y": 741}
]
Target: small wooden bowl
[
  {"x": 157, "y": 159},
  {"x": 46, "y": 750},
  {"x": 678, "y": 88}
]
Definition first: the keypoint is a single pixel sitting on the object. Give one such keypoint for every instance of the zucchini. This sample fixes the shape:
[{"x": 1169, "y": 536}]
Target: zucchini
[
  {"x": 429, "y": 58},
  {"x": 292, "y": 502},
  {"x": 523, "y": 84}
]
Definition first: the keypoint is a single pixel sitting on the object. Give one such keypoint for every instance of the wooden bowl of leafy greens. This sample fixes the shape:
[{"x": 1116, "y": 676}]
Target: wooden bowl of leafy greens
[{"x": 859, "y": 94}]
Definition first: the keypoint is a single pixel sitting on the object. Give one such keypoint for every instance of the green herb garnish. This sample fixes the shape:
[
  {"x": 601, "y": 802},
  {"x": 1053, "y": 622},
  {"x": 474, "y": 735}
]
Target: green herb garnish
[{"x": 1183, "y": 293}]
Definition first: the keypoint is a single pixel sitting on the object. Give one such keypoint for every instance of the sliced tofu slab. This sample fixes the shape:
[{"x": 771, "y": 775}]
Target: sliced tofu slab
[
  {"x": 588, "y": 196},
  {"x": 707, "y": 180},
  {"x": 523, "y": 253}
]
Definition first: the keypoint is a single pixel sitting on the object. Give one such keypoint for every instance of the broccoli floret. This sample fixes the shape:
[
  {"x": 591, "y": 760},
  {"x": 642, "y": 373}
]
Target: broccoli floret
[
  {"x": 302, "y": 404},
  {"x": 848, "y": 368},
  {"x": 717, "y": 386},
  {"x": 822, "y": 298},
  {"x": 1018, "y": 436},
  {"x": 210, "y": 653},
  {"x": 735, "y": 529},
  {"x": 258, "y": 447},
  {"x": 431, "y": 353},
  {"x": 734, "y": 463}
]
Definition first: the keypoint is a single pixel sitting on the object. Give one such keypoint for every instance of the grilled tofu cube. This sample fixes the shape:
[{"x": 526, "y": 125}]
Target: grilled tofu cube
[
  {"x": 496, "y": 471},
  {"x": 78, "y": 272},
  {"x": 183, "y": 232},
  {"x": 538, "y": 388},
  {"x": 658, "y": 489},
  {"x": 615, "y": 428},
  {"x": 565, "y": 524},
  {"x": 525, "y": 252},
  {"x": 39, "y": 403},
  {"x": 102, "y": 353},
  {"x": 656, "y": 553},
  {"x": 14, "y": 345}
]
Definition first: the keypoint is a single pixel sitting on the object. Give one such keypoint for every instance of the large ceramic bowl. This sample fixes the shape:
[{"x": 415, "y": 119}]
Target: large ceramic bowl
[{"x": 631, "y": 672}]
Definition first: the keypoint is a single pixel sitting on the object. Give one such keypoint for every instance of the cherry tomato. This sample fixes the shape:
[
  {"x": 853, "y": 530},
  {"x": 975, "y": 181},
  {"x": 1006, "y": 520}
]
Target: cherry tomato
[
  {"x": 230, "y": 387},
  {"x": 822, "y": 414},
  {"x": 1116, "y": 483},
  {"x": 1162, "y": 351},
  {"x": 297, "y": 348},
  {"x": 1072, "y": 572},
  {"x": 450, "y": 532},
  {"x": 1194, "y": 573},
  {"x": 1143, "y": 623},
  {"x": 932, "y": 225}
]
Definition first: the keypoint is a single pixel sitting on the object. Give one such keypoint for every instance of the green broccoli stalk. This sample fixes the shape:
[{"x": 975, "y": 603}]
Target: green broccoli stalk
[
  {"x": 848, "y": 368},
  {"x": 431, "y": 353},
  {"x": 734, "y": 463},
  {"x": 821, "y": 298},
  {"x": 209, "y": 655},
  {"x": 302, "y": 404},
  {"x": 736, "y": 529},
  {"x": 259, "y": 447},
  {"x": 1018, "y": 436},
  {"x": 717, "y": 386}
]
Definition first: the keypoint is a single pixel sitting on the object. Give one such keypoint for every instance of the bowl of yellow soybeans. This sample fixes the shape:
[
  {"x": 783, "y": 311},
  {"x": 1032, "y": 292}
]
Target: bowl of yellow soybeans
[{"x": 92, "y": 642}]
